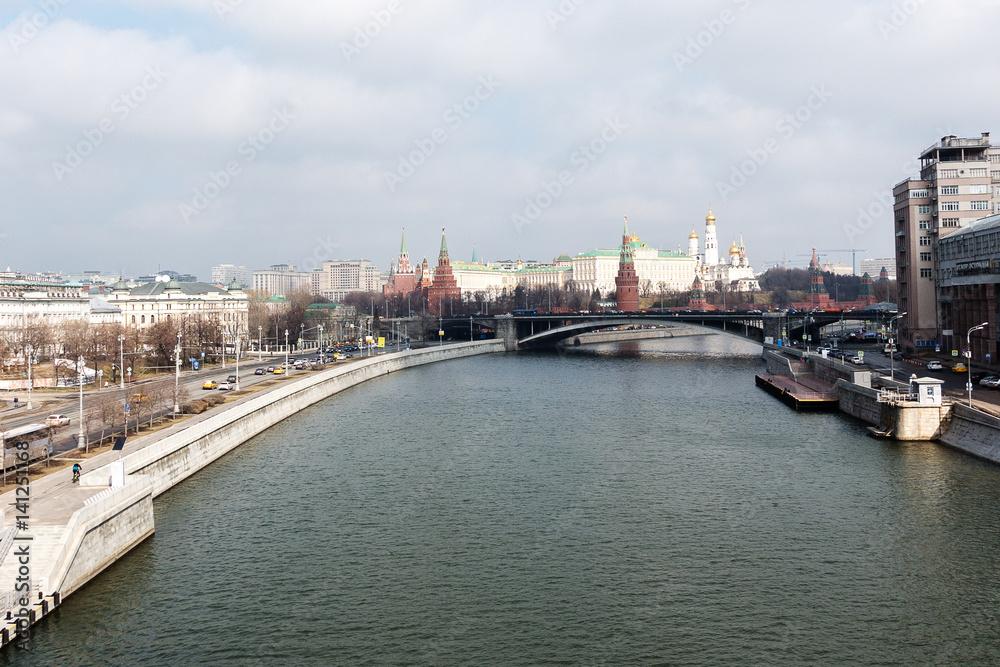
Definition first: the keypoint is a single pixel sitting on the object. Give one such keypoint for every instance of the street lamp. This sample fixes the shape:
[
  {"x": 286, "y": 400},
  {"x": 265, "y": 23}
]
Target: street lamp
[
  {"x": 260, "y": 343},
  {"x": 892, "y": 345},
  {"x": 177, "y": 376},
  {"x": 968, "y": 355},
  {"x": 31, "y": 353},
  {"x": 121, "y": 361},
  {"x": 238, "y": 339},
  {"x": 286, "y": 351},
  {"x": 83, "y": 436}
]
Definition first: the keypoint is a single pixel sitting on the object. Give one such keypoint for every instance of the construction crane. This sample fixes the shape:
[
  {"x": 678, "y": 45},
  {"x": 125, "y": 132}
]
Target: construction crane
[{"x": 853, "y": 251}]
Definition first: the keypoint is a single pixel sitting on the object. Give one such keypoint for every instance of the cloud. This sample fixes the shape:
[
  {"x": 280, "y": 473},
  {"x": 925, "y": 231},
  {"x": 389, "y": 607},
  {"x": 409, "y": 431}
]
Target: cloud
[{"x": 561, "y": 80}]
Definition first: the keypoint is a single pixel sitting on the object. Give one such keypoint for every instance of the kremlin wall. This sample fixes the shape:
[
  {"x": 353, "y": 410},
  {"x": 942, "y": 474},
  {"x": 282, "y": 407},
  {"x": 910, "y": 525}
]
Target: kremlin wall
[{"x": 627, "y": 271}]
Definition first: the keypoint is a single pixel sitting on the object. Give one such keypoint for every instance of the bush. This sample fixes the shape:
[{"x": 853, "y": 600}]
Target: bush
[{"x": 198, "y": 406}]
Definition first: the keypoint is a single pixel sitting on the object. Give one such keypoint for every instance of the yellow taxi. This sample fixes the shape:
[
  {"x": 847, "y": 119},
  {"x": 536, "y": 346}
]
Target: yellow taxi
[
  {"x": 279, "y": 371},
  {"x": 209, "y": 384},
  {"x": 959, "y": 368}
]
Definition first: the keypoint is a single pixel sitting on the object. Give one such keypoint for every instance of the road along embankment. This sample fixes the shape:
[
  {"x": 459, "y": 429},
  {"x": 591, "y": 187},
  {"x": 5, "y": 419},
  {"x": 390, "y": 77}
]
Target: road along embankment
[{"x": 78, "y": 531}]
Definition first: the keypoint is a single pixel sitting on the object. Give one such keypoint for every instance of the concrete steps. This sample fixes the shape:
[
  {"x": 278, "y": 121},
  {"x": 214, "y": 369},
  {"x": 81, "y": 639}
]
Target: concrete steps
[{"x": 44, "y": 542}]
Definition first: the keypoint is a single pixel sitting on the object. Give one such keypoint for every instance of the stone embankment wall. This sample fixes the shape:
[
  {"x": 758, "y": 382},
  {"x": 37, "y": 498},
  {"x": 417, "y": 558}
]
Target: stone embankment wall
[
  {"x": 862, "y": 403},
  {"x": 828, "y": 370},
  {"x": 778, "y": 364},
  {"x": 973, "y": 432}
]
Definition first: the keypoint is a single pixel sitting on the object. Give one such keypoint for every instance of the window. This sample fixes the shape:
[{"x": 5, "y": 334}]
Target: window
[
  {"x": 925, "y": 257},
  {"x": 995, "y": 176},
  {"x": 980, "y": 206},
  {"x": 949, "y": 222},
  {"x": 925, "y": 224},
  {"x": 995, "y": 158},
  {"x": 949, "y": 206},
  {"x": 978, "y": 172},
  {"x": 979, "y": 189},
  {"x": 948, "y": 173},
  {"x": 925, "y": 240},
  {"x": 925, "y": 273},
  {"x": 918, "y": 194},
  {"x": 949, "y": 190},
  {"x": 924, "y": 208}
]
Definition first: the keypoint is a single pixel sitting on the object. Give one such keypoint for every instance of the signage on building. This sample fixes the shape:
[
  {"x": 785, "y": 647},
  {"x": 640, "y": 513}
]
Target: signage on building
[{"x": 977, "y": 267}]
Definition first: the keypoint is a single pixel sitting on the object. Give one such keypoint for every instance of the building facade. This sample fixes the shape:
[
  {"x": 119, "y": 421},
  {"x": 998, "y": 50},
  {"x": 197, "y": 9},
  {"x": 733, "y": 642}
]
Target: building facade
[
  {"x": 146, "y": 305},
  {"x": 224, "y": 274},
  {"x": 281, "y": 280},
  {"x": 954, "y": 188},
  {"x": 873, "y": 267},
  {"x": 968, "y": 278}
]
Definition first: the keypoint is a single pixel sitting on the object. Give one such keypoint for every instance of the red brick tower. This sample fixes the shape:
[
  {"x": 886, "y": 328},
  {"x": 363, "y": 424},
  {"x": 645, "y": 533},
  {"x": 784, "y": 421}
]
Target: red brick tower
[
  {"x": 818, "y": 296},
  {"x": 402, "y": 281},
  {"x": 627, "y": 282},
  {"x": 444, "y": 291},
  {"x": 697, "y": 299}
]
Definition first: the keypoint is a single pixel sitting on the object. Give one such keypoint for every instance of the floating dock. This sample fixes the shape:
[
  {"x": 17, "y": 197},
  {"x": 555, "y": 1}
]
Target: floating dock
[{"x": 803, "y": 394}]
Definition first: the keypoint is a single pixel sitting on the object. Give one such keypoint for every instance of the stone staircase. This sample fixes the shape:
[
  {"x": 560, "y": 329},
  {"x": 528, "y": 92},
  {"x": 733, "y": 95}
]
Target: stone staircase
[{"x": 44, "y": 542}]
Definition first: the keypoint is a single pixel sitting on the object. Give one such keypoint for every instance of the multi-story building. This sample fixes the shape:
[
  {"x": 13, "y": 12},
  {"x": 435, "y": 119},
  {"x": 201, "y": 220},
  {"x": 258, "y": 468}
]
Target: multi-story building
[
  {"x": 968, "y": 277},
  {"x": 656, "y": 269},
  {"x": 955, "y": 187},
  {"x": 176, "y": 302},
  {"x": 281, "y": 280},
  {"x": 49, "y": 305},
  {"x": 338, "y": 278},
  {"x": 873, "y": 267},
  {"x": 224, "y": 274},
  {"x": 171, "y": 275}
]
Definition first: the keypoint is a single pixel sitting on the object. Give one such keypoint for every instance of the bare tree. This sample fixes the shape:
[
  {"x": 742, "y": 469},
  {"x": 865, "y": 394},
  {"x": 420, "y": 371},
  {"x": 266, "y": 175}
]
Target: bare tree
[
  {"x": 109, "y": 408},
  {"x": 159, "y": 392}
]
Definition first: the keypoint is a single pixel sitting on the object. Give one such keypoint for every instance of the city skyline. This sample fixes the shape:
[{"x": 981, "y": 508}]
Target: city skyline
[{"x": 253, "y": 134}]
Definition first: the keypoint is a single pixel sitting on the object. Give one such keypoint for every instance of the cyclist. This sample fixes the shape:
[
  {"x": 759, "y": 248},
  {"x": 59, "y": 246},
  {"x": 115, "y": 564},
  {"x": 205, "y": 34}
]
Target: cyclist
[{"x": 76, "y": 472}]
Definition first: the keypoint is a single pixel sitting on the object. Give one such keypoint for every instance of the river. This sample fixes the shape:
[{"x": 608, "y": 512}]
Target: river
[{"x": 627, "y": 504}]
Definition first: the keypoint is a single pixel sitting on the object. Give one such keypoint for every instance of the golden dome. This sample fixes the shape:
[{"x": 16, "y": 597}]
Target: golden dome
[
  {"x": 634, "y": 238},
  {"x": 734, "y": 249},
  {"x": 693, "y": 235},
  {"x": 710, "y": 219}
]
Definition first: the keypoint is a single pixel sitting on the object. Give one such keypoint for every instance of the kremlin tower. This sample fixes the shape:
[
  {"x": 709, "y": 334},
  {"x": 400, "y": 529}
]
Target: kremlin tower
[
  {"x": 627, "y": 282},
  {"x": 697, "y": 299},
  {"x": 818, "y": 296},
  {"x": 402, "y": 280},
  {"x": 444, "y": 290}
]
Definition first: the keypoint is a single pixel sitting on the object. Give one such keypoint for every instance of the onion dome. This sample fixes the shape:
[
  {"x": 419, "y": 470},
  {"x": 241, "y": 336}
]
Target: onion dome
[{"x": 710, "y": 219}]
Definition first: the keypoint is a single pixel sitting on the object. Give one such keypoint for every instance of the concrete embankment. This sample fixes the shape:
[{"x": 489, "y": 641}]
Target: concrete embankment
[
  {"x": 634, "y": 334},
  {"x": 973, "y": 432},
  {"x": 75, "y": 532}
]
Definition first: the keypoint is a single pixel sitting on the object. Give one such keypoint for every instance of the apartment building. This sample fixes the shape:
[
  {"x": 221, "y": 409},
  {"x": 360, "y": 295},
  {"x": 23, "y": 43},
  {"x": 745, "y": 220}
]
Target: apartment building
[
  {"x": 281, "y": 280},
  {"x": 336, "y": 278},
  {"x": 955, "y": 187}
]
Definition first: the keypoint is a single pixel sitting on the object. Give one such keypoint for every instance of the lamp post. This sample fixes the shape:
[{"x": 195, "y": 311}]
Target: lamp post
[
  {"x": 83, "y": 435},
  {"x": 177, "y": 375},
  {"x": 968, "y": 355},
  {"x": 238, "y": 337},
  {"x": 286, "y": 351},
  {"x": 31, "y": 353},
  {"x": 892, "y": 344},
  {"x": 121, "y": 360},
  {"x": 260, "y": 343}
]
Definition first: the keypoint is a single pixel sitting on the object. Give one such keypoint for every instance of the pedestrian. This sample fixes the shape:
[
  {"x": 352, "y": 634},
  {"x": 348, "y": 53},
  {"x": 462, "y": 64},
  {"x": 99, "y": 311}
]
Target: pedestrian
[{"x": 15, "y": 401}]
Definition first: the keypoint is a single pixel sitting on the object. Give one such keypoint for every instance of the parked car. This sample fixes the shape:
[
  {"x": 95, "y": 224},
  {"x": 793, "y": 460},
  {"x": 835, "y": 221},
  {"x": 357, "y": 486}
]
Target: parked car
[
  {"x": 959, "y": 368},
  {"x": 993, "y": 382},
  {"x": 258, "y": 371},
  {"x": 57, "y": 420},
  {"x": 227, "y": 386},
  {"x": 857, "y": 360},
  {"x": 986, "y": 381},
  {"x": 209, "y": 384},
  {"x": 934, "y": 366}
]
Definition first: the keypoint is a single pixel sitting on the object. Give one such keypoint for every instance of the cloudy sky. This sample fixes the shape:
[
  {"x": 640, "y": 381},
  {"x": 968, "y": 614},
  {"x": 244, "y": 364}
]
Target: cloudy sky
[{"x": 137, "y": 134}]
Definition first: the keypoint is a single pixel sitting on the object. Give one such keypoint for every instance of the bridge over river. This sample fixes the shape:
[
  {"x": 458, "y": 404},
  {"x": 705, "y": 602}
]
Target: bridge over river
[{"x": 526, "y": 331}]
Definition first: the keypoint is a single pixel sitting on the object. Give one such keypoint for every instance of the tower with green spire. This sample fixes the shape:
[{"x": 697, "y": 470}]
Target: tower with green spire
[
  {"x": 627, "y": 281},
  {"x": 402, "y": 279}
]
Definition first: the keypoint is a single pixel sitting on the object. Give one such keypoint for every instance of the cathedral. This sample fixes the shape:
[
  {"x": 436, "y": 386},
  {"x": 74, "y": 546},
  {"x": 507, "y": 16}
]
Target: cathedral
[{"x": 736, "y": 271}]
